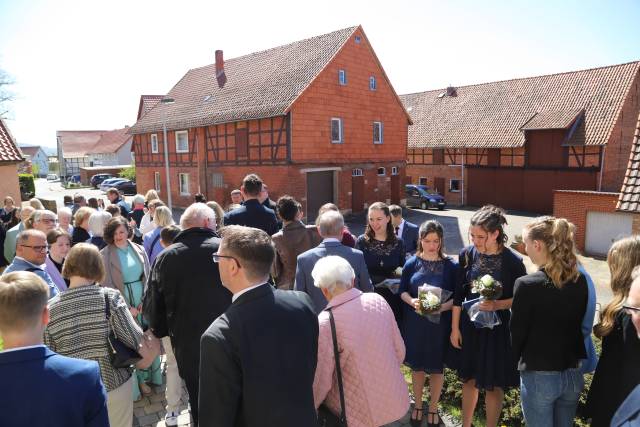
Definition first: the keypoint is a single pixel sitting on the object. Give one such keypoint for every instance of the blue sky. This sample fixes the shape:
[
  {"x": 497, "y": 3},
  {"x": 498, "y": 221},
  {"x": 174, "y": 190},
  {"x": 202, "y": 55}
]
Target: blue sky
[{"x": 84, "y": 64}]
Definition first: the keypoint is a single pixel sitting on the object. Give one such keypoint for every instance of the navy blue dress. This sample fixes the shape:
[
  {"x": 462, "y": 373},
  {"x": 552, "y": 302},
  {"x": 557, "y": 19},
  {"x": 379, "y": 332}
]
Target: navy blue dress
[
  {"x": 427, "y": 343},
  {"x": 487, "y": 355}
]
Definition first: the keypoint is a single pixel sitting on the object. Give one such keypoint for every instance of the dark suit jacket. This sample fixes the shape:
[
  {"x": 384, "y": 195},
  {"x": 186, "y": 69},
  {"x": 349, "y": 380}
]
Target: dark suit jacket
[
  {"x": 42, "y": 388},
  {"x": 258, "y": 362},
  {"x": 253, "y": 214},
  {"x": 410, "y": 237},
  {"x": 307, "y": 260},
  {"x": 628, "y": 415}
]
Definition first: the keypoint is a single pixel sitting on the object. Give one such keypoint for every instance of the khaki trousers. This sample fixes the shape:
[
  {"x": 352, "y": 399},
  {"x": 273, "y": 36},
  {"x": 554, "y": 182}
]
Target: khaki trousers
[{"x": 120, "y": 405}]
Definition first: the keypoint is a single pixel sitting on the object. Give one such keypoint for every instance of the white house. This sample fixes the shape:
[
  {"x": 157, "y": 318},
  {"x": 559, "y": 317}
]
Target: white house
[{"x": 37, "y": 157}]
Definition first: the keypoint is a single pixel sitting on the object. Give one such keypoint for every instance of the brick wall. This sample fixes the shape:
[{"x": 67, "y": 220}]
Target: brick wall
[
  {"x": 636, "y": 224},
  {"x": 9, "y": 185},
  {"x": 574, "y": 205}
]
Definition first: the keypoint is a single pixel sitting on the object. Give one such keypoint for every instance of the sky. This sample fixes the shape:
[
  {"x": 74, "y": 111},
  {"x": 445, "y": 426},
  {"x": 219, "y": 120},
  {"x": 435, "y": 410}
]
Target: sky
[{"x": 82, "y": 65}]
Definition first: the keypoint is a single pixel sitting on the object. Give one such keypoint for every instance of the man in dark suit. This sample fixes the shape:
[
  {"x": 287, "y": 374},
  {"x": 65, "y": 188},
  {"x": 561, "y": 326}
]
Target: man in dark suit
[
  {"x": 406, "y": 230},
  {"x": 185, "y": 294},
  {"x": 253, "y": 213},
  {"x": 258, "y": 359},
  {"x": 40, "y": 387},
  {"x": 330, "y": 227}
]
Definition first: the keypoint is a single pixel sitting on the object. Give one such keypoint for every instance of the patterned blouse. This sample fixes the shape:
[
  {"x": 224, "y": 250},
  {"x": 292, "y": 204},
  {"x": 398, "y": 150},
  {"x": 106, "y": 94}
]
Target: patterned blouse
[{"x": 78, "y": 328}]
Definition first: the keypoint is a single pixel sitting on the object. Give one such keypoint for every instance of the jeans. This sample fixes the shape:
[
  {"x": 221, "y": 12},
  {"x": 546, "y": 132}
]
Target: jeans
[{"x": 550, "y": 398}]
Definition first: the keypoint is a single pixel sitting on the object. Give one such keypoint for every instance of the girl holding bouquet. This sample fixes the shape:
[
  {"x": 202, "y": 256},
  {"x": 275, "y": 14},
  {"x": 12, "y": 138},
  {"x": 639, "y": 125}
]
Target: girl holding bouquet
[
  {"x": 486, "y": 360},
  {"x": 426, "y": 341}
]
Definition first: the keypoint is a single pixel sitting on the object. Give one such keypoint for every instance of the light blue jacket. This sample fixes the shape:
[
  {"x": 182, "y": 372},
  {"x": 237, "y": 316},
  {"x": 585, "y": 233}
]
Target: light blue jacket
[
  {"x": 20, "y": 264},
  {"x": 589, "y": 364},
  {"x": 10, "y": 241}
]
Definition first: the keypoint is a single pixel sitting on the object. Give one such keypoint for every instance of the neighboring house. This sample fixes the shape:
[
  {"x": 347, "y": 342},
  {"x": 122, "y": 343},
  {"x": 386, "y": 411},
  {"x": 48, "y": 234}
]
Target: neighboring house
[
  {"x": 147, "y": 102},
  {"x": 37, "y": 156},
  {"x": 513, "y": 142},
  {"x": 113, "y": 148},
  {"x": 10, "y": 157},
  {"x": 317, "y": 119},
  {"x": 73, "y": 147}
]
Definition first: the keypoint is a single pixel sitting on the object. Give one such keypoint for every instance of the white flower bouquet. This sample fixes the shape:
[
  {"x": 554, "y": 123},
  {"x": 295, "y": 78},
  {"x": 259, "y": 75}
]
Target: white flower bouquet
[{"x": 430, "y": 301}]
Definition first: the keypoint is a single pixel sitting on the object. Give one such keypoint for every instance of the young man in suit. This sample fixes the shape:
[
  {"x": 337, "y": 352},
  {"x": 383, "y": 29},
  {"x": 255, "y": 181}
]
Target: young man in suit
[
  {"x": 406, "y": 230},
  {"x": 330, "y": 227},
  {"x": 40, "y": 387},
  {"x": 258, "y": 359},
  {"x": 253, "y": 213}
]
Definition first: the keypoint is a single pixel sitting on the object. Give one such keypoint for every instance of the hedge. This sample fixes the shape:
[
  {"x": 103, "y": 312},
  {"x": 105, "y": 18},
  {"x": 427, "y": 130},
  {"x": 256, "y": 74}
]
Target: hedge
[{"x": 27, "y": 184}]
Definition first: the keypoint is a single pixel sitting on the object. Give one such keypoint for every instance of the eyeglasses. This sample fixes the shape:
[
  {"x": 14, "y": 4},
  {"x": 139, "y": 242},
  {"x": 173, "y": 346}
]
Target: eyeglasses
[
  {"x": 631, "y": 310},
  {"x": 37, "y": 248},
  {"x": 49, "y": 221},
  {"x": 217, "y": 257}
]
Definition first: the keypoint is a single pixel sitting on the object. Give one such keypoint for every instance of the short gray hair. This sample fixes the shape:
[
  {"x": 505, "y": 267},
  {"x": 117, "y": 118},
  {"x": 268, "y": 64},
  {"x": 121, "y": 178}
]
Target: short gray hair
[
  {"x": 196, "y": 214},
  {"x": 331, "y": 223},
  {"x": 138, "y": 199},
  {"x": 333, "y": 272},
  {"x": 23, "y": 236},
  {"x": 65, "y": 211},
  {"x": 97, "y": 221}
]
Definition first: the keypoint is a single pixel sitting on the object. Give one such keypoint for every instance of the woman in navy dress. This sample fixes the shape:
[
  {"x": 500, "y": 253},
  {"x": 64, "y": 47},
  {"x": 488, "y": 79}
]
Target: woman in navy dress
[
  {"x": 427, "y": 342},
  {"x": 487, "y": 361},
  {"x": 383, "y": 253}
]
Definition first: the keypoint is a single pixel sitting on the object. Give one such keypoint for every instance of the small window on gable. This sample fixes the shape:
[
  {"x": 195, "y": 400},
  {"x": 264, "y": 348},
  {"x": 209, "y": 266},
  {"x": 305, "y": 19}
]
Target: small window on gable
[
  {"x": 242, "y": 142},
  {"x": 377, "y": 132},
  {"x": 372, "y": 83},
  {"x": 358, "y": 39},
  {"x": 356, "y": 172},
  {"x": 382, "y": 171},
  {"x": 342, "y": 77},
  {"x": 394, "y": 170},
  {"x": 336, "y": 131},
  {"x": 182, "y": 141},
  {"x": 154, "y": 143}
]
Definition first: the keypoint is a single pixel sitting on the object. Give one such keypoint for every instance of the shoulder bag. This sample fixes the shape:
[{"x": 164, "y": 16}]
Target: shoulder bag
[
  {"x": 120, "y": 354},
  {"x": 326, "y": 418}
]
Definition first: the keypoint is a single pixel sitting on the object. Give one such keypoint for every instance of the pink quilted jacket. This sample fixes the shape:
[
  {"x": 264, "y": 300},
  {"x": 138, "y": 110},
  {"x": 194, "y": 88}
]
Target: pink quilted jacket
[{"x": 371, "y": 351}]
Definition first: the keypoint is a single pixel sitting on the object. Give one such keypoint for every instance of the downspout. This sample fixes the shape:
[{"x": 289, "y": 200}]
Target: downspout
[
  {"x": 462, "y": 176},
  {"x": 604, "y": 151}
]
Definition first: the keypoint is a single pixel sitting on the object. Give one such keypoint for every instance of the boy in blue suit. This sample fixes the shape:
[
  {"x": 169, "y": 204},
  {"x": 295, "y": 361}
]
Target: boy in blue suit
[{"x": 40, "y": 387}]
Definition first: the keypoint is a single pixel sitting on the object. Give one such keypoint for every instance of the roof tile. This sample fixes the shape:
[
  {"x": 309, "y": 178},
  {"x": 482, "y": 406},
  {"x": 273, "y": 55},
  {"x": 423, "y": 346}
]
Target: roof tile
[
  {"x": 630, "y": 191},
  {"x": 9, "y": 151}
]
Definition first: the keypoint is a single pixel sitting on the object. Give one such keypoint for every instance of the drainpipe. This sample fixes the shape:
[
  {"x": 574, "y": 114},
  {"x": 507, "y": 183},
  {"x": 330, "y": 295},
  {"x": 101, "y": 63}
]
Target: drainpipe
[
  {"x": 604, "y": 151},
  {"x": 462, "y": 186}
]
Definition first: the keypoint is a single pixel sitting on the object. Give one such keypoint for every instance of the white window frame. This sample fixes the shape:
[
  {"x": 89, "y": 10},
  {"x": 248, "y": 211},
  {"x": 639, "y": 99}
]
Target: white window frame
[
  {"x": 154, "y": 143},
  {"x": 384, "y": 171},
  {"x": 181, "y": 189},
  {"x": 157, "y": 184},
  {"x": 357, "y": 172},
  {"x": 340, "y": 139},
  {"x": 380, "y": 133},
  {"x": 450, "y": 185},
  {"x": 342, "y": 77},
  {"x": 178, "y": 133},
  {"x": 394, "y": 170},
  {"x": 373, "y": 83}
]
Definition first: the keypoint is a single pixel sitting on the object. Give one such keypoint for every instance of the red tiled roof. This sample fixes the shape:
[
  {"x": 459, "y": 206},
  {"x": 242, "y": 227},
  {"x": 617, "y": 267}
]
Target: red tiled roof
[
  {"x": 493, "y": 114},
  {"x": 147, "y": 102},
  {"x": 9, "y": 151},
  {"x": 76, "y": 143},
  {"x": 629, "y": 200},
  {"x": 261, "y": 84},
  {"x": 111, "y": 141}
]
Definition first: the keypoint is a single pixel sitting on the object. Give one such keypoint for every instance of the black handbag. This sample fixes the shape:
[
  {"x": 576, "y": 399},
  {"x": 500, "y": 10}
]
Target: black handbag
[
  {"x": 120, "y": 354},
  {"x": 326, "y": 418}
]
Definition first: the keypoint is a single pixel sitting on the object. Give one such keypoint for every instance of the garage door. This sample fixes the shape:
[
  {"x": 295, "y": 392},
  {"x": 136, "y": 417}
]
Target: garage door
[{"x": 605, "y": 228}]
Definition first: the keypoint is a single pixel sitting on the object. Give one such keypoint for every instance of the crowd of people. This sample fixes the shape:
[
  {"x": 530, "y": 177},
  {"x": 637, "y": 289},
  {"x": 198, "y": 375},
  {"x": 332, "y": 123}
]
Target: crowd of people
[{"x": 273, "y": 322}]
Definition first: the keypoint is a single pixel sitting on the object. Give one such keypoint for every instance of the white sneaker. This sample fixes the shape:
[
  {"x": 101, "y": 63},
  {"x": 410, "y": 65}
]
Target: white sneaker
[{"x": 171, "y": 419}]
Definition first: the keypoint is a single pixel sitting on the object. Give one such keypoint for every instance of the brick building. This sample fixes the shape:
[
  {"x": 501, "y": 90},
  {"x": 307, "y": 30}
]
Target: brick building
[
  {"x": 317, "y": 119},
  {"x": 73, "y": 146},
  {"x": 629, "y": 201},
  {"x": 10, "y": 157},
  {"x": 513, "y": 142}
]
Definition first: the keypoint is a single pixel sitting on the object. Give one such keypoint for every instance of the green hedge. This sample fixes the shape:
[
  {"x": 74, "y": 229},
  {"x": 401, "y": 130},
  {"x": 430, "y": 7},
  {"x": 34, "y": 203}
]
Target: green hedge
[{"x": 27, "y": 185}]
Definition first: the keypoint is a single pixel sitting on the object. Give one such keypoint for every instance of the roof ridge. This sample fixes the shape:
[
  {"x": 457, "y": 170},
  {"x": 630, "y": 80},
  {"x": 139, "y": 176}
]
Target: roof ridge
[{"x": 637, "y": 62}]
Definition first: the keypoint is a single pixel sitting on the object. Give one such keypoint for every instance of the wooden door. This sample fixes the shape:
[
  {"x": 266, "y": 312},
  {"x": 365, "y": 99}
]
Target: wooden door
[
  {"x": 395, "y": 189},
  {"x": 438, "y": 185},
  {"x": 357, "y": 194},
  {"x": 319, "y": 192}
]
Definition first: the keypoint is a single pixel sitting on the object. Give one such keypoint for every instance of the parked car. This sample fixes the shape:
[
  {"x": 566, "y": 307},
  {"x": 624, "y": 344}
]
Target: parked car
[
  {"x": 421, "y": 196},
  {"x": 52, "y": 177},
  {"x": 96, "y": 180},
  {"x": 126, "y": 187},
  {"x": 108, "y": 183}
]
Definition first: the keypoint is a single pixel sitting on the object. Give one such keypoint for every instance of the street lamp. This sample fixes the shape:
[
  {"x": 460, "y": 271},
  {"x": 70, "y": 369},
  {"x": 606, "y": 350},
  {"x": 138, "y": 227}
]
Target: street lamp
[{"x": 166, "y": 101}]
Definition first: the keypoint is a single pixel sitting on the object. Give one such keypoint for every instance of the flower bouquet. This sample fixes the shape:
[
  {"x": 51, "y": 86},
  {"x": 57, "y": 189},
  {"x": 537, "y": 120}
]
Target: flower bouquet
[
  {"x": 430, "y": 301},
  {"x": 489, "y": 289}
]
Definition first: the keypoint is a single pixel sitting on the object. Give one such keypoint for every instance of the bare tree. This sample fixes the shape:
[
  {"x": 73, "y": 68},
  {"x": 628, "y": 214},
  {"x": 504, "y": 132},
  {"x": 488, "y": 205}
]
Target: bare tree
[{"x": 6, "y": 95}]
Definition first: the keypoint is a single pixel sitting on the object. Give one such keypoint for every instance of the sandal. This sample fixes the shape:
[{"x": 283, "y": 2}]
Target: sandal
[
  {"x": 433, "y": 416},
  {"x": 415, "y": 422}
]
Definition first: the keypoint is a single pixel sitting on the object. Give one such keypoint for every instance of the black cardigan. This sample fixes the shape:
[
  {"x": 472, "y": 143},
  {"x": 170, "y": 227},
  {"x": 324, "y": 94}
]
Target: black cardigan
[{"x": 546, "y": 323}]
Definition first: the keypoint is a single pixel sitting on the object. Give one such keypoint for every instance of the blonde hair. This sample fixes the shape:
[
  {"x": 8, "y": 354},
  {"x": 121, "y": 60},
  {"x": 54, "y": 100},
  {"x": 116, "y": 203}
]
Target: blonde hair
[
  {"x": 557, "y": 236},
  {"x": 219, "y": 213},
  {"x": 84, "y": 260},
  {"x": 36, "y": 204},
  {"x": 23, "y": 296},
  {"x": 151, "y": 195},
  {"x": 82, "y": 214},
  {"x": 623, "y": 258},
  {"x": 162, "y": 216}
]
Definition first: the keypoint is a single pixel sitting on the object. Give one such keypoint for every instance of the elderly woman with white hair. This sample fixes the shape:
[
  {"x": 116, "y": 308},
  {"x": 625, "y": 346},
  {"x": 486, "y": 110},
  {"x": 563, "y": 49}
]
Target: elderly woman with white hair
[
  {"x": 151, "y": 240},
  {"x": 374, "y": 389},
  {"x": 137, "y": 211},
  {"x": 64, "y": 219},
  {"x": 97, "y": 221}
]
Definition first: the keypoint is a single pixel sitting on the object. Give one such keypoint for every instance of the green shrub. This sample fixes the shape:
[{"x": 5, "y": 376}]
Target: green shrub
[
  {"x": 129, "y": 173},
  {"x": 27, "y": 186}
]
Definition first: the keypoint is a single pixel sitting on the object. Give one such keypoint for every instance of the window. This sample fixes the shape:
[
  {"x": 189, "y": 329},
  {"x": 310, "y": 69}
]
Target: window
[
  {"x": 218, "y": 180},
  {"x": 394, "y": 170},
  {"x": 382, "y": 171},
  {"x": 356, "y": 172},
  {"x": 154, "y": 143},
  {"x": 372, "y": 83},
  {"x": 182, "y": 141},
  {"x": 454, "y": 186},
  {"x": 184, "y": 184},
  {"x": 358, "y": 39},
  {"x": 422, "y": 180},
  {"x": 377, "y": 132},
  {"x": 156, "y": 181},
  {"x": 336, "y": 131},
  {"x": 342, "y": 77}
]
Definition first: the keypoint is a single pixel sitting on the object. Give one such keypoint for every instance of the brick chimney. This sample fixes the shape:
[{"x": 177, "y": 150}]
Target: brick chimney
[{"x": 220, "y": 75}]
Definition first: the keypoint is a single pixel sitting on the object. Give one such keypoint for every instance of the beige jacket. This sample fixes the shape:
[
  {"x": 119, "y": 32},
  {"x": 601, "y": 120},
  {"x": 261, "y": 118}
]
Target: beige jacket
[{"x": 113, "y": 270}]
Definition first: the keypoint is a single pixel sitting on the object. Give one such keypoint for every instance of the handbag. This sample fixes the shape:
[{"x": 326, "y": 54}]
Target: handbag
[
  {"x": 326, "y": 418},
  {"x": 120, "y": 354}
]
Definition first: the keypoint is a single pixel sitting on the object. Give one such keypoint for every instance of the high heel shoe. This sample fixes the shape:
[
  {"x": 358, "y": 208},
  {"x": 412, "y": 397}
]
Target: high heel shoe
[{"x": 415, "y": 422}]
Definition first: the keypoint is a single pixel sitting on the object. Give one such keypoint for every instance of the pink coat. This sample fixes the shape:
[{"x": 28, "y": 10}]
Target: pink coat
[{"x": 371, "y": 352}]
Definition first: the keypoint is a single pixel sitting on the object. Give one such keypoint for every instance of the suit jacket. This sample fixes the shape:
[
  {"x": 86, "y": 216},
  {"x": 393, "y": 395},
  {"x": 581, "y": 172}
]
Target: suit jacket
[
  {"x": 308, "y": 259},
  {"x": 10, "y": 242},
  {"x": 258, "y": 362},
  {"x": 253, "y": 214},
  {"x": 410, "y": 237},
  {"x": 294, "y": 239},
  {"x": 113, "y": 270},
  {"x": 42, "y": 388},
  {"x": 628, "y": 414}
]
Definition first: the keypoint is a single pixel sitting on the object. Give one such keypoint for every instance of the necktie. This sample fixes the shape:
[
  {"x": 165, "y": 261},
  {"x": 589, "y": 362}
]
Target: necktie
[{"x": 397, "y": 229}]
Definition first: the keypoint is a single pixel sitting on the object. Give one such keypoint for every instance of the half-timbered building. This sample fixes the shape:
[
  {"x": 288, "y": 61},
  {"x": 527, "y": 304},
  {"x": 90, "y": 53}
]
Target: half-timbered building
[{"x": 317, "y": 119}]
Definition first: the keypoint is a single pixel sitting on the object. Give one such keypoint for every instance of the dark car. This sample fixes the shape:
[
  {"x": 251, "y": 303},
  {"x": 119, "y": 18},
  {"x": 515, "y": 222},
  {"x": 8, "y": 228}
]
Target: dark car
[
  {"x": 126, "y": 187},
  {"x": 96, "y": 180},
  {"x": 421, "y": 196}
]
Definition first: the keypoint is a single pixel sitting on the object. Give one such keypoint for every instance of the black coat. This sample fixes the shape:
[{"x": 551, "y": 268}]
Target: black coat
[
  {"x": 253, "y": 214},
  {"x": 258, "y": 362}
]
